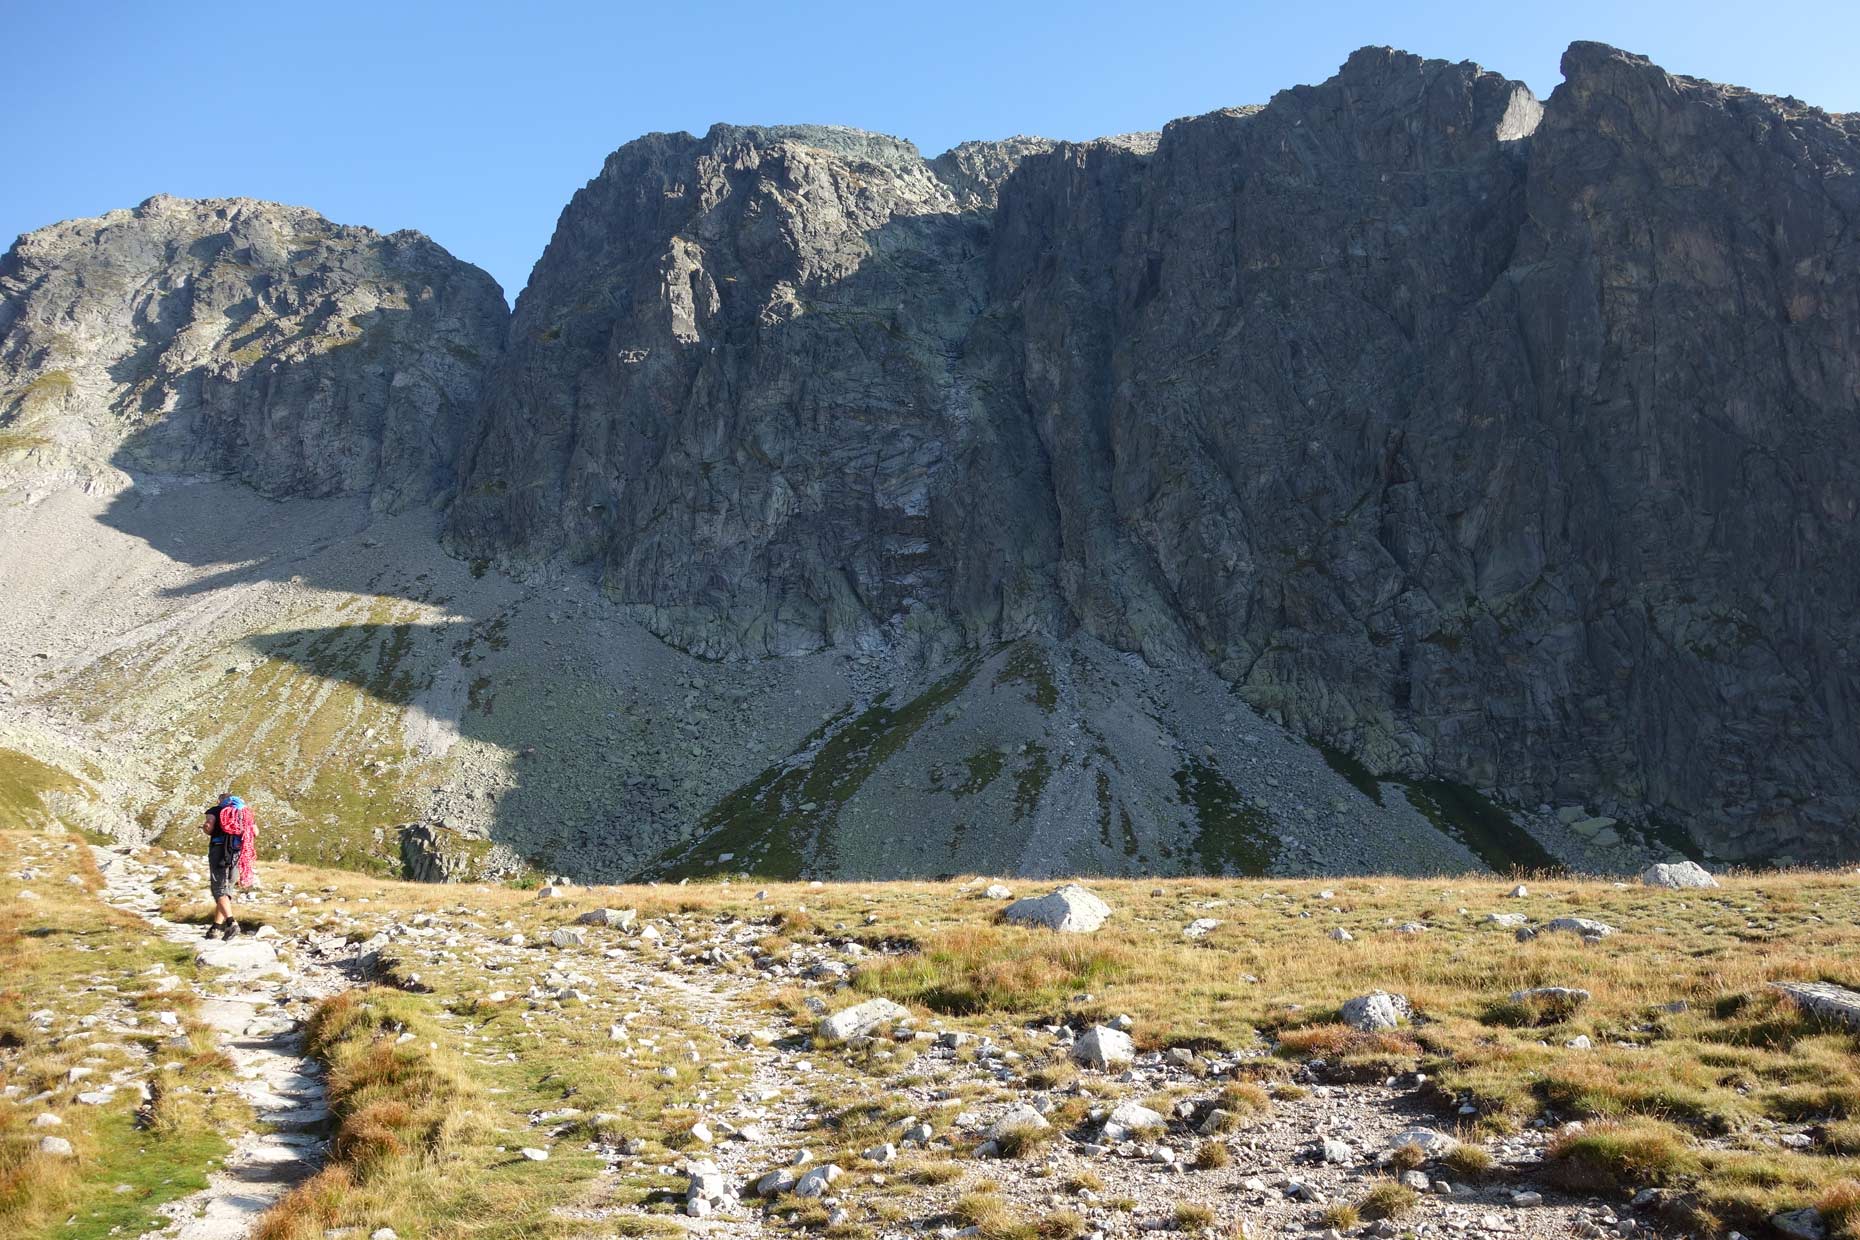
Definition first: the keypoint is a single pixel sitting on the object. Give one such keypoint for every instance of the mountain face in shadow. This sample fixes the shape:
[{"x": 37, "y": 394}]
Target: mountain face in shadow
[{"x": 825, "y": 508}]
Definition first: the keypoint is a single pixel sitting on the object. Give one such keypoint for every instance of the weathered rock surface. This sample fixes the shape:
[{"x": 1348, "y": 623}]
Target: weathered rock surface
[
  {"x": 1825, "y": 1000},
  {"x": 1375, "y": 1012},
  {"x": 1099, "y": 1047},
  {"x": 243, "y": 338},
  {"x": 860, "y": 1018},
  {"x": 1583, "y": 927},
  {"x": 1070, "y": 909},
  {"x": 1678, "y": 874},
  {"x": 1413, "y": 404}
]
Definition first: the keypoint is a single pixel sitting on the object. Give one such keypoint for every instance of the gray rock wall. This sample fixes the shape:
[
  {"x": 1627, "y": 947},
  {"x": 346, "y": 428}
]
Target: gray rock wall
[
  {"x": 242, "y": 338},
  {"x": 1506, "y": 440}
]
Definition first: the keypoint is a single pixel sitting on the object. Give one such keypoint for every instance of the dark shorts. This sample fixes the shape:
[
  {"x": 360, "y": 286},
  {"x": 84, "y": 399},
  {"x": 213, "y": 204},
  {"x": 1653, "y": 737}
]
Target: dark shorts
[{"x": 222, "y": 864}]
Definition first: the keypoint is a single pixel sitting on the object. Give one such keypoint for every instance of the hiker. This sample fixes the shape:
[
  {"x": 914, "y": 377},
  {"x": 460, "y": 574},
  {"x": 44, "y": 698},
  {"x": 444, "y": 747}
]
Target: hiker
[{"x": 230, "y": 847}]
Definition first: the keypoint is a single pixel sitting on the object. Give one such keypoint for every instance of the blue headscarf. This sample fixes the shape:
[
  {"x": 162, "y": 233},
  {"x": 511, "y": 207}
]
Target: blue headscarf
[{"x": 233, "y": 801}]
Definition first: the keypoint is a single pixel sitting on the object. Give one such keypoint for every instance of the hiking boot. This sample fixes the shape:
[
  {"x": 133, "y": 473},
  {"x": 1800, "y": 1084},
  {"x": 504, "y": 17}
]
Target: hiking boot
[
  {"x": 213, "y": 928},
  {"x": 232, "y": 928}
]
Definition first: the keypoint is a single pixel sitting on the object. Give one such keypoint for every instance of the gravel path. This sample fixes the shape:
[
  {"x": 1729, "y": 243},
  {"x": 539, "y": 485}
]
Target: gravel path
[{"x": 256, "y": 998}]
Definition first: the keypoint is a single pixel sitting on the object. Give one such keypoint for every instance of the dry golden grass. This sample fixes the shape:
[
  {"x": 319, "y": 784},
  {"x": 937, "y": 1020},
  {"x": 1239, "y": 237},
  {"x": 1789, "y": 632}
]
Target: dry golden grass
[
  {"x": 1341, "y": 1215},
  {"x": 1387, "y": 1199},
  {"x": 1212, "y": 1156}
]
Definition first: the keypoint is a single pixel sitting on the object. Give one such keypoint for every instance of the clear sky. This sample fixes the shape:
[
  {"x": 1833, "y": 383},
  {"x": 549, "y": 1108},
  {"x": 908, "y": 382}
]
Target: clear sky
[{"x": 474, "y": 122}]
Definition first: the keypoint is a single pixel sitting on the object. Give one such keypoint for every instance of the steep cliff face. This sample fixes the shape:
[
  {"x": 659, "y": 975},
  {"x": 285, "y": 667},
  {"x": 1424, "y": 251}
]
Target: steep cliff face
[
  {"x": 1505, "y": 440},
  {"x": 244, "y": 338},
  {"x": 737, "y": 383}
]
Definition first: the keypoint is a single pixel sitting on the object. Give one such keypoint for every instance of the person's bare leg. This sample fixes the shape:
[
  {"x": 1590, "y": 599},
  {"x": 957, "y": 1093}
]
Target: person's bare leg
[{"x": 222, "y": 909}]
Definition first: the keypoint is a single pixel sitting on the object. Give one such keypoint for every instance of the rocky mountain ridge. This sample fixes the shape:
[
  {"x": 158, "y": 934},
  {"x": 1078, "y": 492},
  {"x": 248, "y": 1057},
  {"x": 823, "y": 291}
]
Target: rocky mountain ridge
[{"x": 1456, "y": 430}]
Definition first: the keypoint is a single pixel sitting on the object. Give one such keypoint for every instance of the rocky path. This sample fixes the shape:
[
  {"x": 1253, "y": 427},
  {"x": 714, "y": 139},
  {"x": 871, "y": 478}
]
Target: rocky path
[{"x": 256, "y": 997}]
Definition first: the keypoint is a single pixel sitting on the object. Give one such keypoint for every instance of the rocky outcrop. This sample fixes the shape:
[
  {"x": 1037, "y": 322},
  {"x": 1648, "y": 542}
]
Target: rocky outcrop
[
  {"x": 431, "y": 853},
  {"x": 1504, "y": 440},
  {"x": 242, "y": 338},
  {"x": 739, "y": 374}
]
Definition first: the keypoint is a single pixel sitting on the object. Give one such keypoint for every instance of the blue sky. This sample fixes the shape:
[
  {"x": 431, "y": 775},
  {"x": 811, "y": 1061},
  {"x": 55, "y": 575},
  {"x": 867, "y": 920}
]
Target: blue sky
[{"x": 474, "y": 122}]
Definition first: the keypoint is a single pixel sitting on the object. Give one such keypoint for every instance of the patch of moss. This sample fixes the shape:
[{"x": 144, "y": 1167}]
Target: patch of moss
[
  {"x": 1026, "y": 665},
  {"x": 50, "y": 386},
  {"x": 1234, "y": 837},
  {"x": 1030, "y": 780},
  {"x": 17, "y": 441},
  {"x": 983, "y": 769}
]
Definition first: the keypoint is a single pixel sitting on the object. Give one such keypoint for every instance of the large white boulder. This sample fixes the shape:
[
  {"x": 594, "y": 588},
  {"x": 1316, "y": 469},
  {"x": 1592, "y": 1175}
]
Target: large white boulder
[
  {"x": 1824, "y": 1000},
  {"x": 1070, "y": 909},
  {"x": 1679, "y": 874},
  {"x": 1099, "y": 1047},
  {"x": 1376, "y": 1011},
  {"x": 859, "y": 1019},
  {"x": 621, "y": 918}
]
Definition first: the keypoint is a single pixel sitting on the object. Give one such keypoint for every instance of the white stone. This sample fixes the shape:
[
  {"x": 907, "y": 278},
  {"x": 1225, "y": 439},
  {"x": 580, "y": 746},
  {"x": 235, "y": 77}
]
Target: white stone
[
  {"x": 1070, "y": 909},
  {"x": 1429, "y": 1141},
  {"x": 816, "y": 1182},
  {"x": 1200, "y": 927},
  {"x": 56, "y": 1147},
  {"x": 996, "y": 891},
  {"x": 859, "y": 1019},
  {"x": 1127, "y": 1119},
  {"x": 1376, "y": 1011},
  {"x": 1824, "y": 1000},
  {"x": 1677, "y": 874},
  {"x": 1017, "y": 1119},
  {"x": 563, "y": 936},
  {"x": 1586, "y": 927},
  {"x": 533, "y": 1154},
  {"x": 619, "y": 918},
  {"x": 1099, "y": 1047}
]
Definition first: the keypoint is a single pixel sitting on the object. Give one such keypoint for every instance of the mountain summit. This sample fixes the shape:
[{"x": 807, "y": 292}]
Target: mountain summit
[{"x": 1028, "y": 507}]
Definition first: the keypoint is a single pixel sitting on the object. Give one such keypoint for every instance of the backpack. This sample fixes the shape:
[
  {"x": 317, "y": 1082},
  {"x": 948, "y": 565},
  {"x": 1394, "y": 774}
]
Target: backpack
[{"x": 236, "y": 821}]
